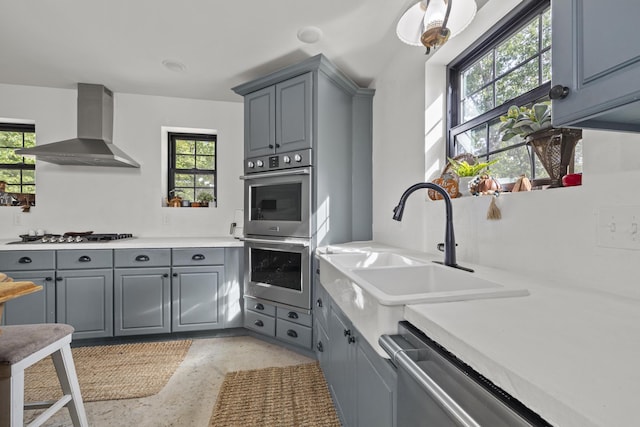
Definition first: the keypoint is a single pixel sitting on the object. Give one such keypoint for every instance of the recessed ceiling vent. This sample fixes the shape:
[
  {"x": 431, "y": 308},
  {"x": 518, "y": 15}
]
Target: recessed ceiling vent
[{"x": 93, "y": 146}]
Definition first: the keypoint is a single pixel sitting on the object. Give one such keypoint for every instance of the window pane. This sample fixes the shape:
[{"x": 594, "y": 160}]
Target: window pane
[
  {"x": 205, "y": 147},
  {"x": 10, "y": 139},
  {"x": 185, "y": 147},
  {"x": 185, "y": 193},
  {"x": 477, "y": 75},
  {"x": 205, "y": 162},
  {"x": 29, "y": 139},
  {"x": 8, "y": 156},
  {"x": 204, "y": 181},
  {"x": 473, "y": 141},
  {"x": 511, "y": 164},
  {"x": 29, "y": 189},
  {"x": 519, "y": 81},
  {"x": 540, "y": 170},
  {"x": 546, "y": 29},
  {"x": 184, "y": 180},
  {"x": 185, "y": 162},
  {"x": 29, "y": 176},
  {"x": 478, "y": 103},
  {"x": 517, "y": 48},
  {"x": 546, "y": 66}
]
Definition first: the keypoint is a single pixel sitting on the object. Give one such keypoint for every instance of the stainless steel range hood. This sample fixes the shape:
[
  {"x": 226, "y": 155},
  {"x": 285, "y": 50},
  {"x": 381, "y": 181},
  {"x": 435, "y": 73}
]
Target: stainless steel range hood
[{"x": 93, "y": 146}]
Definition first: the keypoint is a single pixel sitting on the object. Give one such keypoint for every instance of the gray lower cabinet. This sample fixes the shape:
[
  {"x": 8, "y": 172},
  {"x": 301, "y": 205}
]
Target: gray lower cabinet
[
  {"x": 196, "y": 298},
  {"x": 142, "y": 291},
  {"x": 362, "y": 383},
  {"x": 288, "y": 324}
]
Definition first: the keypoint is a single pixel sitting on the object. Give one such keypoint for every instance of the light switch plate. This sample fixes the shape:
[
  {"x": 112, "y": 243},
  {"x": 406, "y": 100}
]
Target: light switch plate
[{"x": 618, "y": 227}]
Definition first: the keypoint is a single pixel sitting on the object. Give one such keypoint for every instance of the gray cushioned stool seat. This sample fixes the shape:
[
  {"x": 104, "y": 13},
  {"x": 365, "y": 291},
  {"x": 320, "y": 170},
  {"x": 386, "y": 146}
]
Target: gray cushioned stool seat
[{"x": 20, "y": 341}]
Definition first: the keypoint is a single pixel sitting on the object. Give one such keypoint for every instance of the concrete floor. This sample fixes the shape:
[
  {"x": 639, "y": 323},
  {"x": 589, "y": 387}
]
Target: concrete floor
[{"x": 188, "y": 398}]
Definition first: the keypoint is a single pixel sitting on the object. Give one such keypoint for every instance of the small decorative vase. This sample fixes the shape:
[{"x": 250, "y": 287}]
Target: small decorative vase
[
  {"x": 554, "y": 147},
  {"x": 463, "y": 185}
]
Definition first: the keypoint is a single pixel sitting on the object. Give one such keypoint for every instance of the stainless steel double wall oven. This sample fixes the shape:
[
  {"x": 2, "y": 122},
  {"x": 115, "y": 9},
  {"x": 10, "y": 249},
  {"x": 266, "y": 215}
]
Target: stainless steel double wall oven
[{"x": 278, "y": 227}]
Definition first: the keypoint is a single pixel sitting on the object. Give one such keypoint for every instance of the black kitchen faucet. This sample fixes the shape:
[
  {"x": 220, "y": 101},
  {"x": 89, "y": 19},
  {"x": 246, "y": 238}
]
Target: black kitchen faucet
[{"x": 449, "y": 238}]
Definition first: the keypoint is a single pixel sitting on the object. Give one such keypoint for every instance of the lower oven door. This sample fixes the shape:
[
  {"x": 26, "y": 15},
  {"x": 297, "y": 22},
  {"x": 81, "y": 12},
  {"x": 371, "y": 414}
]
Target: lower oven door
[{"x": 278, "y": 270}]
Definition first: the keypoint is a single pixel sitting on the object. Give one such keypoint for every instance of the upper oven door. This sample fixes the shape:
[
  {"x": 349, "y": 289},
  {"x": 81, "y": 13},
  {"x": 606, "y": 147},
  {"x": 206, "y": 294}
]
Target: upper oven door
[{"x": 278, "y": 203}]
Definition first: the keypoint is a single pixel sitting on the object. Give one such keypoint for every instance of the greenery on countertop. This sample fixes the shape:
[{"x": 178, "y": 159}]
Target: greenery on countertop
[{"x": 462, "y": 168}]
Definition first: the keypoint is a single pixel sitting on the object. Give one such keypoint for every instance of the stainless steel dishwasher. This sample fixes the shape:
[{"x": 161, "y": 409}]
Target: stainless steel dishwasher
[{"x": 437, "y": 389}]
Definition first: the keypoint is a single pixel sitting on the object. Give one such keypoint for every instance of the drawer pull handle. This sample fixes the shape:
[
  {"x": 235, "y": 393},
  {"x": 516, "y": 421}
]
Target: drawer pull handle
[
  {"x": 320, "y": 347},
  {"x": 25, "y": 260},
  {"x": 259, "y": 306},
  {"x": 59, "y": 279},
  {"x": 175, "y": 274},
  {"x": 48, "y": 279},
  {"x": 259, "y": 323},
  {"x": 198, "y": 257},
  {"x": 319, "y": 302},
  {"x": 292, "y": 315},
  {"x": 84, "y": 258},
  {"x": 292, "y": 333},
  {"x": 142, "y": 258}
]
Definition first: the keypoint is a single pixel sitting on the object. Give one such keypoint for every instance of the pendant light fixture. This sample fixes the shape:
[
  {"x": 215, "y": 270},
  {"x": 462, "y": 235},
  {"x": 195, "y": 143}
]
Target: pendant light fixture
[{"x": 430, "y": 23}]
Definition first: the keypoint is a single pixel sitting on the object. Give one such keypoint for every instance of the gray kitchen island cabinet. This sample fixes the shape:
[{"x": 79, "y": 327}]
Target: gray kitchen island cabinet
[
  {"x": 362, "y": 383},
  {"x": 142, "y": 291},
  {"x": 84, "y": 292},
  {"x": 278, "y": 117},
  {"x": 595, "y": 72},
  {"x": 37, "y": 267}
]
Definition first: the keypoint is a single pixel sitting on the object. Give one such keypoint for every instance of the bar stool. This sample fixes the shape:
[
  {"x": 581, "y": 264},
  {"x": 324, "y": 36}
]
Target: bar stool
[{"x": 20, "y": 347}]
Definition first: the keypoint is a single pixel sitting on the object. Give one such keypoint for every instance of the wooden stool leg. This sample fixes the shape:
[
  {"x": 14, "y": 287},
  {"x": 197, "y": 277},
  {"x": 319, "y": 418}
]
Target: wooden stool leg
[
  {"x": 12, "y": 399},
  {"x": 63, "y": 361}
]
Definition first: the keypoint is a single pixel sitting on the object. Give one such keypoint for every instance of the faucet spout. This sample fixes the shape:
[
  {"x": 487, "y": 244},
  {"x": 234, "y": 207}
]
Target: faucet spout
[{"x": 449, "y": 236}]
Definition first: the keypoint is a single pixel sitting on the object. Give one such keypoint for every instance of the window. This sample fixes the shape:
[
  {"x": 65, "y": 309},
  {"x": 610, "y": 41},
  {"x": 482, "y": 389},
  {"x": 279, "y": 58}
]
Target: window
[
  {"x": 192, "y": 166},
  {"x": 17, "y": 171},
  {"x": 511, "y": 65}
]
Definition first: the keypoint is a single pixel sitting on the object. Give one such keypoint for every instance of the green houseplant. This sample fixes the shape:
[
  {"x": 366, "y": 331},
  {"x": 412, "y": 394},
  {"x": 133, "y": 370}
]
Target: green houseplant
[
  {"x": 524, "y": 121},
  {"x": 204, "y": 198},
  {"x": 462, "y": 168}
]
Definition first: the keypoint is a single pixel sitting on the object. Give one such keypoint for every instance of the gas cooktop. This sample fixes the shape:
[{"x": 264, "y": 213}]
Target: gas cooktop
[{"x": 72, "y": 237}]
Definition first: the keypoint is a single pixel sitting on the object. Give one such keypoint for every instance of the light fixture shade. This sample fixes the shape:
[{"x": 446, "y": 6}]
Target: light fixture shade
[{"x": 412, "y": 24}]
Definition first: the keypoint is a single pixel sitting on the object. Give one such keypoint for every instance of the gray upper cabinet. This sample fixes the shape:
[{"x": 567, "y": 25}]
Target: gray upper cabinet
[
  {"x": 599, "y": 70},
  {"x": 278, "y": 117}
]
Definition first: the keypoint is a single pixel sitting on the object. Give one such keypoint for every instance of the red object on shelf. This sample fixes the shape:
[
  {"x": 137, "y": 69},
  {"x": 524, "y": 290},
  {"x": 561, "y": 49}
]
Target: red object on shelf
[{"x": 572, "y": 179}]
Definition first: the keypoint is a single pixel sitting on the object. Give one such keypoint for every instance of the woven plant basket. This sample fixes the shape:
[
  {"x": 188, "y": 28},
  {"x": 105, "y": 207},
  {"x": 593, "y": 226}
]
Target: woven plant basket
[{"x": 554, "y": 147}]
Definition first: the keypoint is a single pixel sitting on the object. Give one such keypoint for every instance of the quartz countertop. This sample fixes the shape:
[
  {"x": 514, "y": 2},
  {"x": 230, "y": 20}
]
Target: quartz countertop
[
  {"x": 135, "y": 242},
  {"x": 567, "y": 352}
]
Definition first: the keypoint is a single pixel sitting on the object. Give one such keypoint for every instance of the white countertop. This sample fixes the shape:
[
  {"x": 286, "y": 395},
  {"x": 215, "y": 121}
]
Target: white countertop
[
  {"x": 568, "y": 353},
  {"x": 136, "y": 242}
]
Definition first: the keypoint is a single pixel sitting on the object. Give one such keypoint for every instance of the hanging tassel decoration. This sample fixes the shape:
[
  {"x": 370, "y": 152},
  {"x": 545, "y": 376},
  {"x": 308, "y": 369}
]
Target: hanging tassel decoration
[{"x": 494, "y": 211}]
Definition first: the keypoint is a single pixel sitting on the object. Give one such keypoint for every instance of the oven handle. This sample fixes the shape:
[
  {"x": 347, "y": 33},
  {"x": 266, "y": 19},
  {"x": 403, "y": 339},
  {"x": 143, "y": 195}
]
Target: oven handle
[
  {"x": 277, "y": 242},
  {"x": 288, "y": 172}
]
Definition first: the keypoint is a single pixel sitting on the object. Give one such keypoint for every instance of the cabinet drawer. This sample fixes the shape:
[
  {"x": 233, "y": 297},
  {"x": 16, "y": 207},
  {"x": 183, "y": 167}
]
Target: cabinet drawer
[
  {"x": 294, "y": 316},
  {"x": 198, "y": 256},
  {"x": 27, "y": 260},
  {"x": 80, "y": 259},
  {"x": 142, "y": 257},
  {"x": 260, "y": 322},
  {"x": 260, "y": 307},
  {"x": 293, "y": 333}
]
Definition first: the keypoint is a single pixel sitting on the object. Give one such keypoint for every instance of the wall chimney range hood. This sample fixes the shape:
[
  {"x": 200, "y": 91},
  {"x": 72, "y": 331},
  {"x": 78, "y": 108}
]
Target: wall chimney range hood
[{"x": 93, "y": 146}]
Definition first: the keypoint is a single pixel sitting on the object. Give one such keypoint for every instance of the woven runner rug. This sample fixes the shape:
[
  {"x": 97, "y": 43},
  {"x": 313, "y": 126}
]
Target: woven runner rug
[
  {"x": 291, "y": 396},
  {"x": 110, "y": 372}
]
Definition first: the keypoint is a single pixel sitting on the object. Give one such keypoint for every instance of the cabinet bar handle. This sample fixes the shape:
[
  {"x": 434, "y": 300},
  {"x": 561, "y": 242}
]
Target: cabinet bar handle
[
  {"x": 292, "y": 315},
  {"x": 198, "y": 257},
  {"x": 142, "y": 258},
  {"x": 292, "y": 333},
  {"x": 25, "y": 260},
  {"x": 259, "y": 323},
  {"x": 84, "y": 258}
]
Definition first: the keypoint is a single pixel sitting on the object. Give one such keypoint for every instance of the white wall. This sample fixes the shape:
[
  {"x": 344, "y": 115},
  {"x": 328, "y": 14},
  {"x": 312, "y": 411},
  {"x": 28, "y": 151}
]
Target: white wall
[
  {"x": 81, "y": 198},
  {"x": 548, "y": 234}
]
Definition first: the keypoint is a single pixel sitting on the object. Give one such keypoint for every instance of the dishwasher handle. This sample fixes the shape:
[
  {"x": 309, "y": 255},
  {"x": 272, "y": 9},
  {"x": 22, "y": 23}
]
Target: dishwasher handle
[{"x": 404, "y": 361}]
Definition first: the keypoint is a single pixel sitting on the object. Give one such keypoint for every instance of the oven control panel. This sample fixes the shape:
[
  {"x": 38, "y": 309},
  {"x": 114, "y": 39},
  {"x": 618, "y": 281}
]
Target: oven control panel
[{"x": 293, "y": 159}]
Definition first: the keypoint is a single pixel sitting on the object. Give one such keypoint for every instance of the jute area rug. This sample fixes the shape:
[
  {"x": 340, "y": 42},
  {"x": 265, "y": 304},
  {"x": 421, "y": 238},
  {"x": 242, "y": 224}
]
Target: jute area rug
[
  {"x": 275, "y": 397},
  {"x": 110, "y": 372}
]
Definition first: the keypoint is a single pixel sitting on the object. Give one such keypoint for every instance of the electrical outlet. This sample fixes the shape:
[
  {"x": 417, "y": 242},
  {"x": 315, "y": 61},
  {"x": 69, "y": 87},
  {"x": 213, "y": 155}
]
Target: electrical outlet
[{"x": 618, "y": 227}]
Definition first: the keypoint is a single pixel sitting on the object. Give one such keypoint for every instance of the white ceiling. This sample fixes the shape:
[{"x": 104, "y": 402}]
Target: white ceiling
[{"x": 122, "y": 43}]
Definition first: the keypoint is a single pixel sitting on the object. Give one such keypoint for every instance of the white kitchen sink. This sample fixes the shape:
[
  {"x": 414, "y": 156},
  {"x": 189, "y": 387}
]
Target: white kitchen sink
[
  {"x": 413, "y": 284},
  {"x": 371, "y": 259}
]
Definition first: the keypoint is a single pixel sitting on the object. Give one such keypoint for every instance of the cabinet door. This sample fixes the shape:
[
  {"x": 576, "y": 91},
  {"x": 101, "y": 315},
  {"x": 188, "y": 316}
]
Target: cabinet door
[
  {"x": 342, "y": 366},
  {"x": 376, "y": 389},
  {"x": 142, "y": 300},
  {"x": 195, "y": 298},
  {"x": 293, "y": 113},
  {"x": 84, "y": 300},
  {"x": 259, "y": 122},
  {"x": 38, "y": 307},
  {"x": 600, "y": 68}
]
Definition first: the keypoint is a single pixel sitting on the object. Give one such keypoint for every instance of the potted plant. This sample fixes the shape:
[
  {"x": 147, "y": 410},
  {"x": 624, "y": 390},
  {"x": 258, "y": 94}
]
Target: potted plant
[
  {"x": 553, "y": 146},
  {"x": 204, "y": 198},
  {"x": 467, "y": 170}
]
